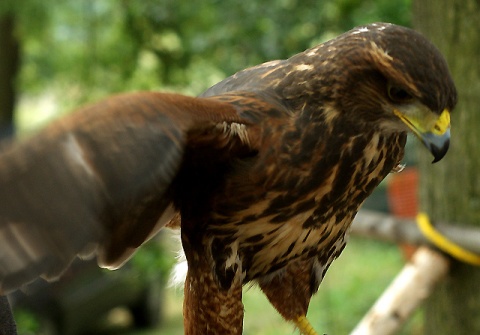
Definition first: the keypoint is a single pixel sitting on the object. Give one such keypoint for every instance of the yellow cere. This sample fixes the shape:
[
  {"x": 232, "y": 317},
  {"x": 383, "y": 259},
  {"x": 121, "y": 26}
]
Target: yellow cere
[
  {"x": 421, "y": 121},
  {"x": 442, "y": 124}
]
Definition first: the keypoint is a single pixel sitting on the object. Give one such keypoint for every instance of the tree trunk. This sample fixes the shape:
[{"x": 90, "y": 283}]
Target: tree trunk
[
  {"x": 9, "y": 65},
  {"x": 450, "y": 189}
]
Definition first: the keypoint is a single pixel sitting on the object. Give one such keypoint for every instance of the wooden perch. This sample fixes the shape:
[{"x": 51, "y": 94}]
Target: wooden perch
[
  {"x": 388, "y": 228},
  {"x": 409, "y": 289}
]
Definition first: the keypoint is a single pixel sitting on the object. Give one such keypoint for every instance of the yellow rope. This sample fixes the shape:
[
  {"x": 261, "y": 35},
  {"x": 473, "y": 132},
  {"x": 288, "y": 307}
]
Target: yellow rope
[
  {"x": 304, "y": 326},
  {"x": 444, "y": 244}
]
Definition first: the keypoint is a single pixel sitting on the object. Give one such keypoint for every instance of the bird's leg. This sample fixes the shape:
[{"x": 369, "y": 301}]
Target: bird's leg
[
  {"x": 290, "y": 292},
  {"x": 304, "y": 326},
  {"x": 208, "y": 308}
]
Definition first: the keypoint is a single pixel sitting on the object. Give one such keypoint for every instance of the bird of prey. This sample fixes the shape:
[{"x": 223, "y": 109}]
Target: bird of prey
[{"x": 263, "y": 173}]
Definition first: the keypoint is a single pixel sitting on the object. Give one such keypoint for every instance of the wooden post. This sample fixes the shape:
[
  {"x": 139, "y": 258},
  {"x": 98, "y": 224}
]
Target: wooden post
[
  {"x": 397, "y": 230},
  {"x": 409, "y": 289}
]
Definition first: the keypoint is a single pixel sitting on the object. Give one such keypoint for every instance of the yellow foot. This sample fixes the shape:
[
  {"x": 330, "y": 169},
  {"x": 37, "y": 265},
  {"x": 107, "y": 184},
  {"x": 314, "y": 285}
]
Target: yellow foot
[{"x": 304, "y": 326}]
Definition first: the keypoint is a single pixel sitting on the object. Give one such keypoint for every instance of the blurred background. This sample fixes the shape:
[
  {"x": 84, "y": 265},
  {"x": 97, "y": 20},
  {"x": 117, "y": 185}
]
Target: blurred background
[
  {"x": 63, "y": 54},
  {"x": 56, "y": 56}
]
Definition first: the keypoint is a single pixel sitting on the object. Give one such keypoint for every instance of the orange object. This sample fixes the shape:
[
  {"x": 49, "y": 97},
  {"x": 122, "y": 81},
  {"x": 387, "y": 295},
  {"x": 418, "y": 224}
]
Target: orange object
[
  {"x": 403, "y": 200},
  {"x": 402, "y": 193}
]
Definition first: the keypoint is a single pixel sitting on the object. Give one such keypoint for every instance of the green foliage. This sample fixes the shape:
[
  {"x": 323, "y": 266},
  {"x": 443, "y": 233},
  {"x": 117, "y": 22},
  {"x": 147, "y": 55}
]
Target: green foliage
[
  {"x": 153, "y": 261},
  {"x": 27, "y": 322},
  {"x": 93, "y": 48}
]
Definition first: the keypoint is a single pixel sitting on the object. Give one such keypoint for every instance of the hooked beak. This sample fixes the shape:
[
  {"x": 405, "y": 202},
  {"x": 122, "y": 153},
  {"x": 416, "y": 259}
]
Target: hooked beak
[{"x": 435, "y": 135}]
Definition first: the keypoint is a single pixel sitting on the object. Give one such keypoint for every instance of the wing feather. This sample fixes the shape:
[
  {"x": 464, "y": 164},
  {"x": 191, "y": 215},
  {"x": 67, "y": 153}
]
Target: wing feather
[{"x": 97, "y": 181}]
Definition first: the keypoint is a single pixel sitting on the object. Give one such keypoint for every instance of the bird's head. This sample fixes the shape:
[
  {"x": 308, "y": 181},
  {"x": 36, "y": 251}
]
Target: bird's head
[
  {"x": 387, "y": 77},
  {"x": 405, "y": 78}
]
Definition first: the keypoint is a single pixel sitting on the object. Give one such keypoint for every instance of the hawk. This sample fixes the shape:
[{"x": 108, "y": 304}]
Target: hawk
[{"x": 263, "y": 173}]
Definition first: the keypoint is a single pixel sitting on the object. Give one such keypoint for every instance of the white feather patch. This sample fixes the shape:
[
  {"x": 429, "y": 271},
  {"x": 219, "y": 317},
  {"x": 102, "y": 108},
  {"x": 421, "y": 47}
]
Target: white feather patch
[
  {"x": 75, "y": 153},
  {"x": 179, "y": 271},
  {"x": 235, "y": 130}
]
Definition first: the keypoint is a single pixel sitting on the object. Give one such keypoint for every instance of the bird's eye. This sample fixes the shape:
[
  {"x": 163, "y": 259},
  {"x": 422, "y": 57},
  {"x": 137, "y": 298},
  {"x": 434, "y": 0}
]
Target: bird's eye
[{"x": 398, "y": 94}]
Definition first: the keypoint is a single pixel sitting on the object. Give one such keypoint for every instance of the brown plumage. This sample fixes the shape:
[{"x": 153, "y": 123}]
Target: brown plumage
[{"x": 267, "y": 170}]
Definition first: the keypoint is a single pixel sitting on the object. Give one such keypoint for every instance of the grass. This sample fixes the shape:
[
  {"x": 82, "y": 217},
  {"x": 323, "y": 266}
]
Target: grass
[{"x": 351, "y": 286}]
